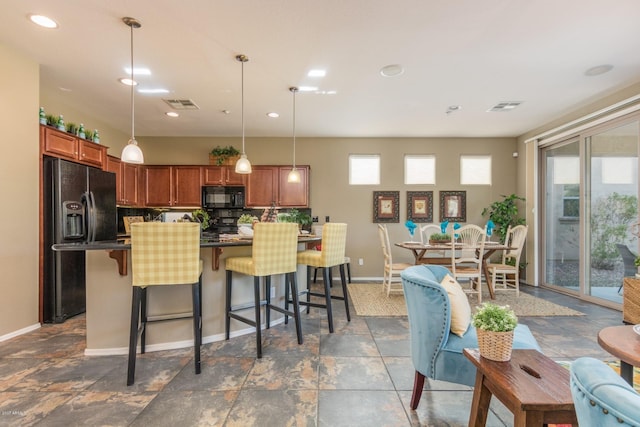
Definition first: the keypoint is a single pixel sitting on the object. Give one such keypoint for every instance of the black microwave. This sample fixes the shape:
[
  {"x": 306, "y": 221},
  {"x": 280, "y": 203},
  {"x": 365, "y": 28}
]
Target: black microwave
[{"x": 222, "y": 197}]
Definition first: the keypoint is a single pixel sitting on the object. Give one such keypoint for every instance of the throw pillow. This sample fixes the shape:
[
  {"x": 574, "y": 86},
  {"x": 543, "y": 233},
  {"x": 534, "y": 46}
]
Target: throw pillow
[{"x": 460, "y": 308}]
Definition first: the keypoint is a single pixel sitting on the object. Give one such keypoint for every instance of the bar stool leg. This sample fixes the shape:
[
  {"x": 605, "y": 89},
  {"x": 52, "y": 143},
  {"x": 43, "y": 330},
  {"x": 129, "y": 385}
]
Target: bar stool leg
[
  {"x": 256, "y": 295},
  {"x": 308, "y": 287},
  {"x": 293, "y": 282},
  {"x": 286, "y": 300},
  {"x": 133, "y": 334},
  {"x": 267, "y": 292},
  {"x": 327, "y": 293},
  {"x": 143, "y": 320},
  {"x": 227, "y": 318},
  {"x": 345, "y": 292},
  {"x": 197, "y": 324}
]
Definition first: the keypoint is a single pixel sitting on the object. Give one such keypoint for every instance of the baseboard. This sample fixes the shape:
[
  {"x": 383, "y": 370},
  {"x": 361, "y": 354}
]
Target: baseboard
[{"x": 20, "y": 332}]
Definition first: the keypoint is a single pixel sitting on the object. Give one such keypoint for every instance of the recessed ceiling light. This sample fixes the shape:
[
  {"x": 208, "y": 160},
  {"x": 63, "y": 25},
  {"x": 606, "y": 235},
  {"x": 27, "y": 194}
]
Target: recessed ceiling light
[
  {"x": 127, "y": 81},
  {"x": 317, "y": 73},
  {"x": 504, "y": 106},
  {"x": 453, "y": 108},
  {"x": 307, "y": 88},
  {"x": 225, "y": 112},
  {"x": 273, "y": 115},
  {"x": 153, "y": 91},
  {"x": 43, "y": 21},
  {"x": 138, "y": 71},
  {"x": 598, "y": 69},
  {"x": 172, "y": 114},
  {"x": 392, "y": 70}
]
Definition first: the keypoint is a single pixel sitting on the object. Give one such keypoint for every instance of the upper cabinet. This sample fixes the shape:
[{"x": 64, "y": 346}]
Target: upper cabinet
[
  {"x": 268, "y": 185},
  {"x": 64, "y": 145},
  {"x": 222, "y": 175},
  {"x": 172, "y": 186},
  {"x": 126, "y": 181}
]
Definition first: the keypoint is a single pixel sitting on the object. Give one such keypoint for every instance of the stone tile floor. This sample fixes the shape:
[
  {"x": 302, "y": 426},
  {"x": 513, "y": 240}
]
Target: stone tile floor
[{"x": 361, "y": 375}]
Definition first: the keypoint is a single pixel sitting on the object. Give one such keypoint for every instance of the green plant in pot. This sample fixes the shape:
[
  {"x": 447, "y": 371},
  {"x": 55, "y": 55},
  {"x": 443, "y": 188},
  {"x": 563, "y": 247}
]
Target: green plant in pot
[
  {"x": 440, "y": 238},
  {"x": 294, "y": 215},
  {"x": 201, "y": 216},
  {"x": 504, "y": 213},
  {"x": 222, "y": 154},
  {"x": 247, "y": 220},
  {"x": 494, "y": 327}
]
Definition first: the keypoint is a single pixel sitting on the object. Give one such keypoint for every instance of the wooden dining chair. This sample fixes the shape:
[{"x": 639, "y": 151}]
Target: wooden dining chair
[
  {"x": 466, "y": 258},
  {"x": 505, "y": 275},
  {"x": 391, "y": 270}
]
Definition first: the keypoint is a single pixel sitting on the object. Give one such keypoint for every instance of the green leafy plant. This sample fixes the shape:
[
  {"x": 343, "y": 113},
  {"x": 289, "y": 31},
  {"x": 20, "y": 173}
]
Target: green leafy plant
[
  {"x": 495, "y": 318},
  {"x": 247, "y": 219},
  {"x": 72, "y": 128},
  {"x": 201, "y": 216},
  {"x": 636, "y": 261},
  {"x": 504, "y": 213},
  {"x": 223, "y": 153},
  {"x": 440, "y": 237},
  {"x": 610, "y": 220},
  {"x": 52, "y": 120}
]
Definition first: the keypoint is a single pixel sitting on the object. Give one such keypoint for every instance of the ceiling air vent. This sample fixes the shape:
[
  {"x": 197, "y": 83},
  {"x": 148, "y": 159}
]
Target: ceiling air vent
[
  {"x": 181, "y": 104},
  {"x": 504, "y": 106}
]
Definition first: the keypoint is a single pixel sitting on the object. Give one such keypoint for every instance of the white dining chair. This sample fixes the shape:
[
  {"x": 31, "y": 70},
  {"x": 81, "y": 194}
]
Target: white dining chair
[
  {"x": 391, "y": 270},
  {"x": 505, "y": 275},
  {"x": 467, "y": 255}
]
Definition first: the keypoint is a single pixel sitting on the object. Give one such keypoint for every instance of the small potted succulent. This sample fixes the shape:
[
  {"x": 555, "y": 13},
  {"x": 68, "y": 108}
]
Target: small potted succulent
[
  {"x": 494, "y": 326},
  {"x": 636, "y": 262}
]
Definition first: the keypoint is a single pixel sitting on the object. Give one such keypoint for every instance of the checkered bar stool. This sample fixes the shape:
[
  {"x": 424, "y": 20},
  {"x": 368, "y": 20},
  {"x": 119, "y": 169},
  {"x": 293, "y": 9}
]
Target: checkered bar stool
[
  {"x": 163, "y": 254},
  {"x": 273, "y": 252},
  {"x": 334, "y": 240}
]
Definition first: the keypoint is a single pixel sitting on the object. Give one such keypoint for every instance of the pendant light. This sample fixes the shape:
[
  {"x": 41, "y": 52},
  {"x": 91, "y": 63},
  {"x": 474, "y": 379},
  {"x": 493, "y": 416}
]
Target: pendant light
[
  {"x": 131, "y": 153},
  {"x": 243, "y": 165},
  {"x": 294, "y": 175}
]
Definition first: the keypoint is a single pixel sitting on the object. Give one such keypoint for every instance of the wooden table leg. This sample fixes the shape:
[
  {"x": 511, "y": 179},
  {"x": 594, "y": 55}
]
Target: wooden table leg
[
  {"x": 215, "y": 258},
  {"x": 480, "y": 403},
  {"x": 485, "y": 271}
]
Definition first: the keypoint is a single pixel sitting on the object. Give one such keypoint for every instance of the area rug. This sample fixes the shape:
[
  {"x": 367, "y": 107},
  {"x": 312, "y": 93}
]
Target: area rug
[
  {"x": 369, "y": 299},
  {"x": 615, "y": 365}
]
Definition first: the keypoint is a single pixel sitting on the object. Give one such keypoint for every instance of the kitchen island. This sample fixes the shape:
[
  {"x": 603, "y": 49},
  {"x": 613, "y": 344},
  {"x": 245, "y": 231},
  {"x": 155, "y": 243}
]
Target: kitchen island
[{"x": 109, "y": 292}]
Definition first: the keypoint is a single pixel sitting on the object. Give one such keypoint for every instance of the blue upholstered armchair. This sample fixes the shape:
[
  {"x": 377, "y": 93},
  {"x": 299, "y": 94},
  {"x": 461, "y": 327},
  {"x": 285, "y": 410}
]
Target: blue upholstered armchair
[
  {"x": 601, "y": 397},
  {"x": 435, "y": 351}
]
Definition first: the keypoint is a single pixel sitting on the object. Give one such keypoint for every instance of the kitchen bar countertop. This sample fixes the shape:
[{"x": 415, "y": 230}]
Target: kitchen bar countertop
[{"x": 205, "y": 242}]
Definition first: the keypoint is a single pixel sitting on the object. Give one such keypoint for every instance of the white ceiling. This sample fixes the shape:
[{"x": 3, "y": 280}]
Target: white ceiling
[{"x": 458, "y": 52}]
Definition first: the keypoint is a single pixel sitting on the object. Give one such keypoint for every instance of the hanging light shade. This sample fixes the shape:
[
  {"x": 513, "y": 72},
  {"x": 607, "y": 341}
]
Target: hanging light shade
[
  {"x": 243, "y": 165},
  {"x": 131, "y": 153},
  {"x": 294, "y": 175}
]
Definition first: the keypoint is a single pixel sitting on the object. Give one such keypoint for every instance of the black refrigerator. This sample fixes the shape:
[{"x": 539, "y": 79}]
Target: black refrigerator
[{"x": 79, "y": 205}]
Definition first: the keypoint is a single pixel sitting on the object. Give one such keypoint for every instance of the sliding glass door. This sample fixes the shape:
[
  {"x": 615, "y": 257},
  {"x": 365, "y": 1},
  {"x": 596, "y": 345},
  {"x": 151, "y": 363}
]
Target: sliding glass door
[{"x": 590, "y": 202}]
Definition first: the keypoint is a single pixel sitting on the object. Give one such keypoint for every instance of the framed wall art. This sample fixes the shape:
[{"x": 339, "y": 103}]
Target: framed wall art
[
  {"x": 453, "y": 206},
  {"x": 420, "y": 206},
  {"x": 386, "y": 206}
]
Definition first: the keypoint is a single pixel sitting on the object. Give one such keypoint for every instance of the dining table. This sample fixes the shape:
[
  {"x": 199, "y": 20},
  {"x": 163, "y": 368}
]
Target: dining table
[{"x": 420, "y": 249}]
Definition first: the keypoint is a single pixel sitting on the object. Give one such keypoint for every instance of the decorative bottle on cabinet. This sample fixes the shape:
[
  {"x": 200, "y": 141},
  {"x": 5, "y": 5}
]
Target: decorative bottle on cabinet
[
  {"x": 61, "y": 123},
  {"x": 81, "y": 133},
  {"x": 96, "y": 136},
  {"x": 43, "y": 118}
]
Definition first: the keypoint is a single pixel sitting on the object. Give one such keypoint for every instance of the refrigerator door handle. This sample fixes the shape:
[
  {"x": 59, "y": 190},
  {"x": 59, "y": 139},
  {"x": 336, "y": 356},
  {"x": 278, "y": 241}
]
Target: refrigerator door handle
[
  {"x": 88, "y": 213},
  {"x": 92, "y": 216}
]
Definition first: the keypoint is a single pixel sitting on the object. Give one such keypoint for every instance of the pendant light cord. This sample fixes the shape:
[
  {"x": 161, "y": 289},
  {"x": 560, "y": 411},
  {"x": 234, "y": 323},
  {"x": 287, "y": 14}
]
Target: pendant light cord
[
  {"x": 242, "y": 103},
  {"x": 294, "y": 127},
  {"x": 133, "y": 138}
]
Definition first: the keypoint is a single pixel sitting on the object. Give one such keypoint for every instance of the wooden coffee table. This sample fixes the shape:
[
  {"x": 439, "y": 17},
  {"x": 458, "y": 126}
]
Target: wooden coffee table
[
  {"x": 624, "y": 344},
  {"x": 532, "y": 386}
]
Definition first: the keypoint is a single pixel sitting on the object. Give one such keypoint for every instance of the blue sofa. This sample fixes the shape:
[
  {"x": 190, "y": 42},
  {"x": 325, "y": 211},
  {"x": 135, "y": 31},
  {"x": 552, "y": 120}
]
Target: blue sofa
[
  {"x": 436, "y": 352},
  {"x": 601, "y": 397}
]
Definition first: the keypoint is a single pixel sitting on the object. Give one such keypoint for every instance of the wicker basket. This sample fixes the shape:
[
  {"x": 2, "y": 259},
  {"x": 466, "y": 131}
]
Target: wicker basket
[{"x": 495, "y": 345}]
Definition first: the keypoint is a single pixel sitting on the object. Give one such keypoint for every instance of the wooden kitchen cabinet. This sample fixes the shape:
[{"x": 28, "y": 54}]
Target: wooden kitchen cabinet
[
  {"x": 64, "y": 145},
  {"x": 267, "y": 185},
  {"x": 130, "y": 184},
  {"x": 113, "y": 164},
  {"x": 293, "y": 194},
  {"x": 166, "y": 186},
  {"x": 222, "y": 175}
]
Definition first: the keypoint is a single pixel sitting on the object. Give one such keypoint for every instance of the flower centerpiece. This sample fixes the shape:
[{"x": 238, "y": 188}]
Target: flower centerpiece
[
  {"x": 494, "y": 326},
  {"x": 436, "y": 238}
]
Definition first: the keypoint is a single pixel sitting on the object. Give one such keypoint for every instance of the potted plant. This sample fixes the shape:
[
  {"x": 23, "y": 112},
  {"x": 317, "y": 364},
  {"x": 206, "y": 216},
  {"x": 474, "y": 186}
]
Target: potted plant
[
  {"x": 636, "y": 262},
  {"x": 201, "y": 216},
  {"x": 247, "y": 220},
  {"x": 504, "y": 213},
  {"x": 436, "y": 238},
  {"x": 494, "y": 326},
  {"x": 223, "y": 155}
]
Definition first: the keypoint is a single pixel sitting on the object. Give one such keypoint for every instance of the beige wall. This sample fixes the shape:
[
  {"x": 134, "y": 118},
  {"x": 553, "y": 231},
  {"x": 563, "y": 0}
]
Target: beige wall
[
  {"x": 19, "y": 165},
  {"x": 332, "y": 195}
]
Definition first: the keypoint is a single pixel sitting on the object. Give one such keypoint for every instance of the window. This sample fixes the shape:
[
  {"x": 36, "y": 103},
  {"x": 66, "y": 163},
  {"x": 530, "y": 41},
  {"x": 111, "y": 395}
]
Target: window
[
  {"x": 364, "y": 169},
  {"x": 475, "y": 170},
  {"x": 419, "y": 169}
]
